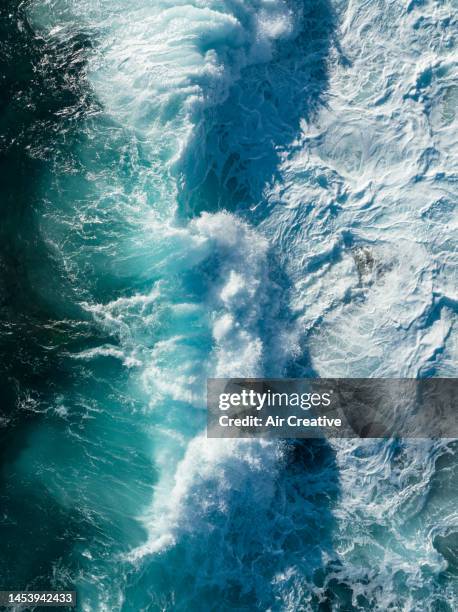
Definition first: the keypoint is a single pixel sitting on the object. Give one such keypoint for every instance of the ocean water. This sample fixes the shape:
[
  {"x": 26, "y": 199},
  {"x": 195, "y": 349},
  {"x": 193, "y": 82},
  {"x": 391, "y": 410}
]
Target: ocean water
[{"x": 223, "y": 188}]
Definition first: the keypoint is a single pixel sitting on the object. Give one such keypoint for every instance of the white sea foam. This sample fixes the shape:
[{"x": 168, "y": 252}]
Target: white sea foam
[
  {"x": 209, "y": 473},
  {"x": 158, "y": 65},
  {"x": 239, "y": 298},
  {"x": 376, "y": 280}
]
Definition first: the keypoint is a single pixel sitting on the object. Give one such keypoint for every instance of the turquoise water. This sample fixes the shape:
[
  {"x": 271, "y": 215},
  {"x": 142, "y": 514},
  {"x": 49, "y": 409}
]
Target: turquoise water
[{"x": 189, "y": 189}]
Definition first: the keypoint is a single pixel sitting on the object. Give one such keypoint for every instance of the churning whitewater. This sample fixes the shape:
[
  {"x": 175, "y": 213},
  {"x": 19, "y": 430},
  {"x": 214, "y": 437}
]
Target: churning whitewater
[{"x": 254, "y": 188}]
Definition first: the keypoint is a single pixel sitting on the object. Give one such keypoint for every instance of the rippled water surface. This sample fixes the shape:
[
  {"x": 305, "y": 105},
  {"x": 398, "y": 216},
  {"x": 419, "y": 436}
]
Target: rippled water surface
[{"x": 223, "y": 188}]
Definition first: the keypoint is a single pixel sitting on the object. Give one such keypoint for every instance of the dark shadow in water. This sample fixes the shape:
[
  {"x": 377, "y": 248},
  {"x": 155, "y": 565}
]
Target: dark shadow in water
[{"x": 242, "y": 142}]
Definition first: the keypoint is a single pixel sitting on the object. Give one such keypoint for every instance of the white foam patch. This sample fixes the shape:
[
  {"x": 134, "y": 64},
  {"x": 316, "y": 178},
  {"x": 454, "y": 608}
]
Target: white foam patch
[
  {"x": 209, "y": 471},
  {"x": 372, "y": 259},
  {"x": 238, "y": 299},
  {"x": 159, "y": 64}
]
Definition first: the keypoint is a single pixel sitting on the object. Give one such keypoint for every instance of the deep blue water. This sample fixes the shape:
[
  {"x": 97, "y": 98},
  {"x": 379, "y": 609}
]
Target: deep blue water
[{"x": 223, "y": 188}]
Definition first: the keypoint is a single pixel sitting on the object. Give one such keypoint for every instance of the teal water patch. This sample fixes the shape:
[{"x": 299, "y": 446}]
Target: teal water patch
[{"x": 66, "y": 495}]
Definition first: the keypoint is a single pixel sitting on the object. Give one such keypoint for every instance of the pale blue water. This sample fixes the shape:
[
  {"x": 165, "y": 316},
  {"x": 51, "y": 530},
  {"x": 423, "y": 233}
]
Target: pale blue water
[{"x": 204, "y": 195}]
